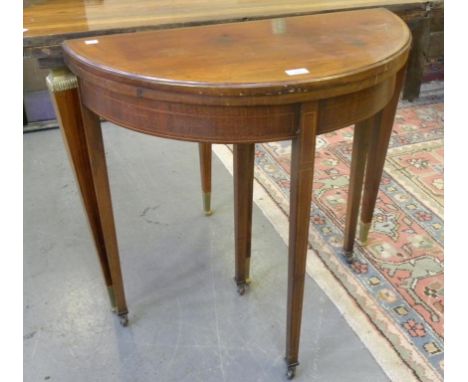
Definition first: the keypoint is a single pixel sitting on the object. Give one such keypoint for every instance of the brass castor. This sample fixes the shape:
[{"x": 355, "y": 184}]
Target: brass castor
[
  {"x": 291, "y": 372},
  {"x": 123, "y": 318},
  {"x": 291, "y": 369},
  {"x": 242, "y": 286},
  {"x": 241, "y": 289},
  {"x": 349, "y": 256}
]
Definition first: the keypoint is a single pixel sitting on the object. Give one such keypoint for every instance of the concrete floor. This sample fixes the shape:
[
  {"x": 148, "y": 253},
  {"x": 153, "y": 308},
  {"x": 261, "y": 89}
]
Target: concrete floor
[{"x": 187, "y": 322}]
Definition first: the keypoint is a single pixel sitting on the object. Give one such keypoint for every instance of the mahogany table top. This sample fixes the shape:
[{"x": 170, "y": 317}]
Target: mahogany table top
[{"x": 295, "y": 54}]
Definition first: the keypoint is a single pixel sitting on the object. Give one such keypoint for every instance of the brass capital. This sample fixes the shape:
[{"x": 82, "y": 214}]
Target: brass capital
[{"x": 60, "y": 80}]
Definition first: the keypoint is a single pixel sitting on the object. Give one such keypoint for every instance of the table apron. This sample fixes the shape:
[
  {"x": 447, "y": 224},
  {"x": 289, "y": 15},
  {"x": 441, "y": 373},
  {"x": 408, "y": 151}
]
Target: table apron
[{"x": 229, "y": 124}]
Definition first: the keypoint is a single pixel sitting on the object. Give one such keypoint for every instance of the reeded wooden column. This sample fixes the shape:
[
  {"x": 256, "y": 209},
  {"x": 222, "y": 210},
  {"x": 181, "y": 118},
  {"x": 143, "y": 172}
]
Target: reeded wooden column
[
  {"x": 244, "y": 160},
  {"x": 64, "y": 93},
  {"x": 302, "y": 174}
]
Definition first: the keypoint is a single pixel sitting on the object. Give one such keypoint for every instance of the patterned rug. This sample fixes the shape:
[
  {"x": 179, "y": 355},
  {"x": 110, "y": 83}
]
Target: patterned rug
[{"x": 397, "y": 280}]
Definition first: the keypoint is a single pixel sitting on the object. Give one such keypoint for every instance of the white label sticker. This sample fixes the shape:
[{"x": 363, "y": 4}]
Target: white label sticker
[
  {"x": 25, "y": 30},
  {"x": 295, "y": 72},
  {"x": 91, "y": 42}
]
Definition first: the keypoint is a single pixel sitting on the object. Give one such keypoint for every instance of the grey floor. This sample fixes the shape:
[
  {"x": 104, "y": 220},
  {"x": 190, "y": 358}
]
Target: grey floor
[{"x": 187, "y": 322}]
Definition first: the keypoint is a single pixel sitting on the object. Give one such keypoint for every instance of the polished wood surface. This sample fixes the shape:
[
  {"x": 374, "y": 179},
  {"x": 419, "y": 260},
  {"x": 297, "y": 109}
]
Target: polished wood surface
[
  {"x": 356, "y": 178},
  {"x": 379, "y": 141},
  {"x": 67, "y": 101},
  {"x": 258, "y": 57},
  {"x": 234, "y": 88},
  {"x": 97, "y": 160},
  {"x": 142, "y": 93},
  {"x": 204, "y": 151},
  {"x": 47, "y": 23},
  {"x": 244, "y": 161},
  {"x": 67, "y": 17},
  {"x": 302, "y": 176}
]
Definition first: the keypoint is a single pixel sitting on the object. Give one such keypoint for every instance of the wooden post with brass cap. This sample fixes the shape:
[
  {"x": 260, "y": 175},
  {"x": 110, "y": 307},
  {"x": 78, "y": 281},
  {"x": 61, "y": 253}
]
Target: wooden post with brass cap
[
  {"x": 63, "y": 89},
  {"x": 204, "y": 150}
]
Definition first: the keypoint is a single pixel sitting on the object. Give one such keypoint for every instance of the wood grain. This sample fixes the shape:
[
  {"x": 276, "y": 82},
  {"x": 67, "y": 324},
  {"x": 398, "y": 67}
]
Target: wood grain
[
  {"x": 95, "y": 145},
  {"x": 48, "y": 23},
  {"x": 53, "y": 19},
  {"x": 67, "y": 105},
  {"x": 214, "y": 101},
  {"x": 204, "y": 151},
  {"x": 205, "y": 166},
  {"x": 358, "y": 164},
  {"x": 230, "y": 59},
  {"x": 302, "y": 174},
  {"x": 244, "y": 155},
  {"x": 229, "y": 84},
  {"x": 420, "y": 29},
  {"x": 379, "y": 140}
]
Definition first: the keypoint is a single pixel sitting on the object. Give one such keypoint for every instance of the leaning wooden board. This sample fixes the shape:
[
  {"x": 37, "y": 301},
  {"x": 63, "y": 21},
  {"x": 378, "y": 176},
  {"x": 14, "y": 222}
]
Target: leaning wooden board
[{"x": 48, "y": 23}]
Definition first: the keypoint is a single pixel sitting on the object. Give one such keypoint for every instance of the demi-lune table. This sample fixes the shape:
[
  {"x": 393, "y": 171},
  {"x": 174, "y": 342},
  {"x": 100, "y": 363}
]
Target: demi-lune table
[{"x": 241, "y": 83}]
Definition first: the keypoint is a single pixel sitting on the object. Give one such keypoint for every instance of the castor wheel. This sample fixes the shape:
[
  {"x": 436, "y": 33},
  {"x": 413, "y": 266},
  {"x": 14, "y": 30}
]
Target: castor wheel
[
  {"x": 349, "y": 256},
  {"x": 291, "y": 372},
  {"x": 350, "y": 259},
  {"x": 123, "y": 320},
  {"x": 242, "y": 285}
]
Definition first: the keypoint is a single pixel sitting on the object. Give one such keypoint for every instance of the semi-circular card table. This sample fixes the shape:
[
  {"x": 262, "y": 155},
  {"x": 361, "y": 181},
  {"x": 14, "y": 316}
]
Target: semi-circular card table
[{"x": 241, "y": 83}]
